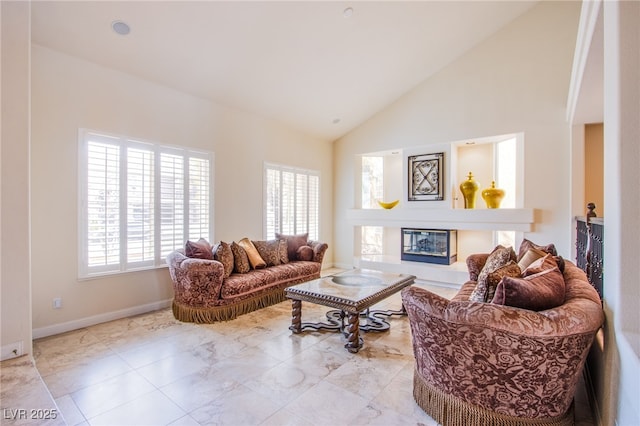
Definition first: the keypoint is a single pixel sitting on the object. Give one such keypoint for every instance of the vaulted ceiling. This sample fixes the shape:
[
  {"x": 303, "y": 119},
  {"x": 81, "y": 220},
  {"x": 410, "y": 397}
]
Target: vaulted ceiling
[{"x": 321, "y": 67}]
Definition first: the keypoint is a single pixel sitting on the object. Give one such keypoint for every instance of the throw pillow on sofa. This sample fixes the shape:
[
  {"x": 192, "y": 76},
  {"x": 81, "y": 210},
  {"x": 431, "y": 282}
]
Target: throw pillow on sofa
[
  {"x": 284, "y": 251},
  {"x": 304, "y": 253},
  {"x": 255, "y": 260},
  {"x": 499, "y": 257},
  {"x": 240, "y": 259},
  {"x": 542, "y": 264},
  {"x": 200, "y": 249},
  {"x": 269, "y": 251},
  {"x": 511, "y": 269},
  {"x": 294, "y": 242},
  {"x": 529, "y": 257},
  {"x": 537, "y": 292},
  {"x": 527, "y": 244},
  {"x": 222, "y": 253}
]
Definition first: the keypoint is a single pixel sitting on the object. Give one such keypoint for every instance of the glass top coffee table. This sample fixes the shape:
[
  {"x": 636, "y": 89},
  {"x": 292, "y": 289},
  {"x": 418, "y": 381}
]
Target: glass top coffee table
[{"x": 351, "y": 294}]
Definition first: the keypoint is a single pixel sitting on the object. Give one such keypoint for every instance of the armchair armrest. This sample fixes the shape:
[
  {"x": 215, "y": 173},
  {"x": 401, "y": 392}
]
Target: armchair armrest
[
  {"x": 196, "y": 282},
  {"x": 422, "y": 302}
]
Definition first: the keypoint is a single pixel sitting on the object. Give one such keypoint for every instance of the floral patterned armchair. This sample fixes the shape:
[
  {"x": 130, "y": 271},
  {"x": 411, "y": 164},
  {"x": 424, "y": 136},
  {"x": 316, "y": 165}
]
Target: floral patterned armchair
[{"x": 481, "y": 363}]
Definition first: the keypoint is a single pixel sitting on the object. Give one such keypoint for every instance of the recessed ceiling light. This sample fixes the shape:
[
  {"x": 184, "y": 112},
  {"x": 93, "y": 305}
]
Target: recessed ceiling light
[
  {"x": 336, "y": 120},
  {"x": 120, "y": 27},
  {"x": 348, "y": 12}
]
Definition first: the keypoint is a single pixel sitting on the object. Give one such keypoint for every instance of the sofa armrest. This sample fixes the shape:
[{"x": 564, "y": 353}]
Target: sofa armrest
[
  {"x": 422, "y": 302},
  {"x": 465, "y": 292},
  {"x": 196, "y": 282},
  {"x": 573, "y": 317},
  {"x": 319, "y": 249}
]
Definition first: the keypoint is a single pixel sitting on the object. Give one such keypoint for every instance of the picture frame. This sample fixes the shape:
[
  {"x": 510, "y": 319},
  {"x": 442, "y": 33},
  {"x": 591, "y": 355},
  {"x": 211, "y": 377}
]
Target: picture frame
[{"x": 426, "y": 177}]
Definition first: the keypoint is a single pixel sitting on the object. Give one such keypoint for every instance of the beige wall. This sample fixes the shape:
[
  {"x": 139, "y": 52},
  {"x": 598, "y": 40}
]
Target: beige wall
[
  {"x": 477, "y": 159},
  {"x": 14, "y": 210},
  {"x": 594, "y": 166},
  {"x": 622, "y": 201},
  {"x": 515, "y": 81},
  {"x": 68, "y": 94}
]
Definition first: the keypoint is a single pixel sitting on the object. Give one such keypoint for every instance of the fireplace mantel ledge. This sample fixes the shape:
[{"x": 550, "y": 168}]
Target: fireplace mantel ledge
[{"x": 464, "y": 219}]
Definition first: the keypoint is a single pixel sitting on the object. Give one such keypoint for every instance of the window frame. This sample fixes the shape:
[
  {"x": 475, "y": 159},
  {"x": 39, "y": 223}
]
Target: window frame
[
  {"x": 308, "y": 173},
  {"x": 123, "y": 143}
]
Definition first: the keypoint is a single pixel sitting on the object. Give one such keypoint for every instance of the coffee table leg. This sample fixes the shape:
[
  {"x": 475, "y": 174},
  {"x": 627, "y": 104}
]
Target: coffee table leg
[
  {"x": 353, "y": 332},
  {"x": 296, "y": 316}
]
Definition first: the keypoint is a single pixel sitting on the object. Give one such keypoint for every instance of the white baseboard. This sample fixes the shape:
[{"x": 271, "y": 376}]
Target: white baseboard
[
  {"x": 12, "y": 350},
  {"x": 97, "y": 319},
  {"x": 343, "y": 265}
]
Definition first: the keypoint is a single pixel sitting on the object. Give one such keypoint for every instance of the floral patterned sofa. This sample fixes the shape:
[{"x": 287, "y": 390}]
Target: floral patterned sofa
[
  {"x": 487, "y": 363},
  {"x": 221, "y": 282}
]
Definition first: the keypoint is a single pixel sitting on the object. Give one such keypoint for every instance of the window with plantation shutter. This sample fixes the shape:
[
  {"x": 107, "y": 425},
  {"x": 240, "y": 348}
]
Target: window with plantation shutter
[
  {"x": 140, "y": 206},
  {"x": 172, "y": 196},
  {"x": 138, "y": 202},
  {"x": 291, "y": 201}
]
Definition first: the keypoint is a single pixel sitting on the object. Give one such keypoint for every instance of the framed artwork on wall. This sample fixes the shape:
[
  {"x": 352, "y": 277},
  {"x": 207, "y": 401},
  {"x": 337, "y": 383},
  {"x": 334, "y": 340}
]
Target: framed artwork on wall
[{"x": 425, "y": 177}]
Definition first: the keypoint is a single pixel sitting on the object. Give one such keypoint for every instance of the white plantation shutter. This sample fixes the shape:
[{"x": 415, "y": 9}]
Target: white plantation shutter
[
  {"x": 302, "y": 205},
  {"x": 291, "y": 201},
  {"x": 140, "y": 206},
  {"x": 272, "y": 205},
  {"x": 313, "y": 195},
  {"x": 288, "y": 203},
  {"x": 138, "y": 202},
  {"x": 103, "y": 204},
  {"x": 172, "y": 199},
  {"x": 199, "y": 199}
]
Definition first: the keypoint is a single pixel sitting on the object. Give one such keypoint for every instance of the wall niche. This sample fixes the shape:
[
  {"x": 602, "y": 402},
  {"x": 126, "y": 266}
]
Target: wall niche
[{"x": 384, "y": 176}]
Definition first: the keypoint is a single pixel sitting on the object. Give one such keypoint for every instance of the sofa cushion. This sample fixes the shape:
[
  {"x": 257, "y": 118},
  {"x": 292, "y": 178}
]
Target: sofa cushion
[
  {"x": 537, "y": 292},
  {"x": 304, "y": 253},
  {"x": 262, "y": 279},
  {"x": 499, "y": 257},
  {"x": 200, "y": 249},
  {"x": 255, "y": 260},
  {"x": 527, "y": 244},
  {"x": 293, "y": 243},
  {"x": 511, "y": 269},
  {"x": 222, "y": 253},
  {"x": 240, "y": 259},
  {"x": 242, "y": 284},
  {"x": 269, "y": 251}
]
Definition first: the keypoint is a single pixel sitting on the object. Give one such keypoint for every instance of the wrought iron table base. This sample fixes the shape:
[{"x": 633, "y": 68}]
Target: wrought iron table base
[{"x": 375, "y": 320}]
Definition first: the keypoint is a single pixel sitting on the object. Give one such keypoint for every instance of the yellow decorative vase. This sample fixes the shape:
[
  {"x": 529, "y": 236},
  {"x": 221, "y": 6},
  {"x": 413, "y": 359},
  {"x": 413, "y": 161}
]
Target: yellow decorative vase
[
  {"x": 469, "y": 189},
  {"x": 493, "y": 196}
]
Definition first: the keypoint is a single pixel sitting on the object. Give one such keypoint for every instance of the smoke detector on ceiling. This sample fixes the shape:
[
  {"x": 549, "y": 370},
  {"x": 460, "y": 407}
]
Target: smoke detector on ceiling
[{"x": 121, "y": 27}]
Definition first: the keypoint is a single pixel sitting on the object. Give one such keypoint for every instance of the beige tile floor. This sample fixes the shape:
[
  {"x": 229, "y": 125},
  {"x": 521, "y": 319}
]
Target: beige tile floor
[{"x": 153, "y": 370}]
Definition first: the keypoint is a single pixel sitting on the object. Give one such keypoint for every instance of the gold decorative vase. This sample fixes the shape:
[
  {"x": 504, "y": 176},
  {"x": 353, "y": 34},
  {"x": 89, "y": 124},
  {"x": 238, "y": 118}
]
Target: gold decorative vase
[
  {"x": 469, "y": 189},
  {"x": 493, "y": 196}
]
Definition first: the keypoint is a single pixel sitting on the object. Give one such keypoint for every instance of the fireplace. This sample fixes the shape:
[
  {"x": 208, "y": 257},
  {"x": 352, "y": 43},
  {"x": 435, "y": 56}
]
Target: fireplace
[{"x": 429, "y": 245}]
